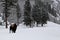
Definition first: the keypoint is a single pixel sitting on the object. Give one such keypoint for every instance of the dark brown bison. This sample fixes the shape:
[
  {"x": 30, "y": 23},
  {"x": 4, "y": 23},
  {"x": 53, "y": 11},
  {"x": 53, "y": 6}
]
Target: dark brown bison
[{"x": 13, "y": 28}]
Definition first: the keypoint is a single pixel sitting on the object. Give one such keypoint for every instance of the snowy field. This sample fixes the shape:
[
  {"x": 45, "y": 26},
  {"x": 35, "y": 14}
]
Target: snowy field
[{"x": 51, "y": 31}]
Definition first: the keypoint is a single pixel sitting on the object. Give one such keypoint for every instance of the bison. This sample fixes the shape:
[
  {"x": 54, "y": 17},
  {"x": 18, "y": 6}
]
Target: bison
[{"x": 13, "y": 28}]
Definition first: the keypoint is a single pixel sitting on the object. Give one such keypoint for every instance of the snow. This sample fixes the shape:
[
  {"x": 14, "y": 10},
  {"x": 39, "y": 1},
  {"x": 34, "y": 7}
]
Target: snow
[
  {"x": 51, "y": 31},
  {"x": 1, "y": 19}
]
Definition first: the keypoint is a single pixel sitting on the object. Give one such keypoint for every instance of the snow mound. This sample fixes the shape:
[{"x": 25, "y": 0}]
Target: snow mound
[{"x": 51, "y": 24}]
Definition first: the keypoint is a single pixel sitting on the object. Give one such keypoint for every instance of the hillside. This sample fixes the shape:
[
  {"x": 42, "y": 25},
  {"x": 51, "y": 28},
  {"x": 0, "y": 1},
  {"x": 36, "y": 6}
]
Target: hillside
[{"x": 51, "y": 31}]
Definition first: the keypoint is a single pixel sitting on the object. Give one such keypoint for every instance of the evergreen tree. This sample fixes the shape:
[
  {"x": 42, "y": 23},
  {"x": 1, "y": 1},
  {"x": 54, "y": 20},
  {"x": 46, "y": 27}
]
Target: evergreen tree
[
  {"x": 44, "y": 17},
  {"x": 6, "y": 5},
  {"x": 49, "y": 8},
  {"x": 27, "y": 13},
  {"x": 53, "y": 12},
  {"x": 36, "y": 14},
  {"x": 44, "y": 9}
]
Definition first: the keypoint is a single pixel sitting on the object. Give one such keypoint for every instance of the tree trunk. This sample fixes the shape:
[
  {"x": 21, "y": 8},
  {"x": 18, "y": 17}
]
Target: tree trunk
[
  {"x": 42, "y": 24},
  {"x": 6, "y": 22},
  {"x": 17, "y": 21},
  {"x": 30, "y": 25},
  {"x": 6, "y": 13},
  {"x": 37, "y": 24}
]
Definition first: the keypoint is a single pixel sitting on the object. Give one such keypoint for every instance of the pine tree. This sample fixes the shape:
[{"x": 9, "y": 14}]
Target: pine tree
[
  {"x": 27, "y": 13},
  {"x": 36, "y": 14},
  {"x": 44, "y": 17},
  {"x": 6, "y": 5},
  {"x": 53, "y": 12},
  {"x": 49, "y": 7},
  {"x": 40, "y": 13},
  {"x": 43, "y": 12},
  {"x": 50, "y": 10}
]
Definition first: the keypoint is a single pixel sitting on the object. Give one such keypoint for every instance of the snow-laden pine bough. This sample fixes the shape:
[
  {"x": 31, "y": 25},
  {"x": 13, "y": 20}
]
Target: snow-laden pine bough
[{"x": 13, "y": 28}]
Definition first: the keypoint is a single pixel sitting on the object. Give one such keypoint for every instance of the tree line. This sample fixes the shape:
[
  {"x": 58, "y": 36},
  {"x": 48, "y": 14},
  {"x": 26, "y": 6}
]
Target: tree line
[
  {"x": 37, "y": 14},
  {"x": 8, "y": 5}
]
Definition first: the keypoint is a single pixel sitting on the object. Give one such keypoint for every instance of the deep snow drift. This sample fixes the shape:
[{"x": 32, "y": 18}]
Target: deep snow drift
[{"x": 51, "y": 31}]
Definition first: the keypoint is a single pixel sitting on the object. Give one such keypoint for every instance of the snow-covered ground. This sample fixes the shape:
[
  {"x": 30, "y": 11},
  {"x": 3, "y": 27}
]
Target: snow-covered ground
[{"x": 51, "y": 31}]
